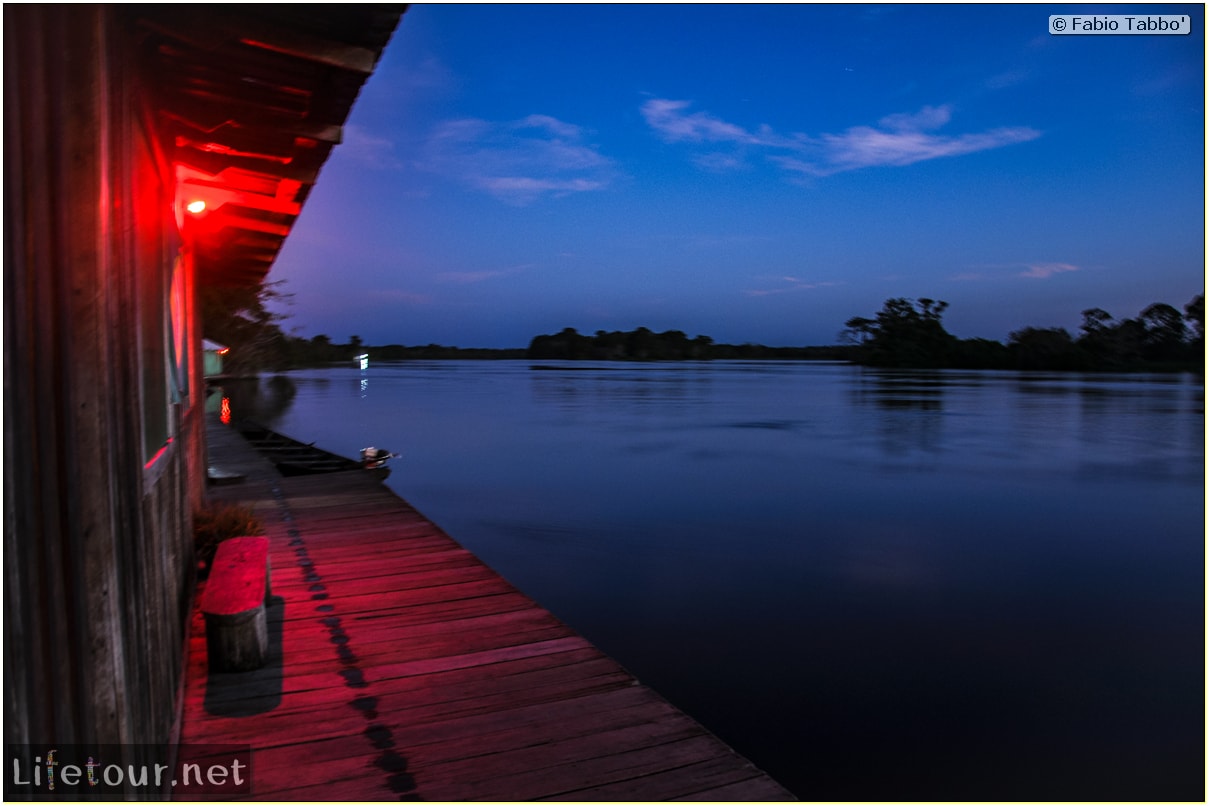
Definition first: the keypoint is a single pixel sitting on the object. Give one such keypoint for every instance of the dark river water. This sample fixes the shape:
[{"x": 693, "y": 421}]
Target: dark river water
[{"x": 875, "y": 585}]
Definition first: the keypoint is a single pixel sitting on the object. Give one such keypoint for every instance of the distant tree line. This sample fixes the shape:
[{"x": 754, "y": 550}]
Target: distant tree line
[
  {"x": 643, "y": 344},
  {"x": 397, "y": 352},
  {"x": 904, "y": 333},
  {"x": 909, "y": 333},
  {"x": 321, "y": 351},
  {"x": 243, "y": 319}
]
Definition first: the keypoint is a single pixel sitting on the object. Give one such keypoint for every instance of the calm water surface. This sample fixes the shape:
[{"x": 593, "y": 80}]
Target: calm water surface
[{"x": 876, "y": 585}]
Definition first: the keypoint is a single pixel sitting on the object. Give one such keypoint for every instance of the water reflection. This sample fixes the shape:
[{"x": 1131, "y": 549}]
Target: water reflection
[
  {"x": 908, "y": 409},
  {"x": 1023, "y": 621},
  {"x": 255, "y": 398},
  {"x": 572, "y": 387},
  {"x": 1150, "y": 419},
  {"x": 890, "y": 389}
]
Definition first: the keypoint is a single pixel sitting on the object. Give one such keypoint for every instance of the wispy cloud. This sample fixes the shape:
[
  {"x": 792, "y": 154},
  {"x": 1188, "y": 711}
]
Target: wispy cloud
[
  {"x": 716, "y": 161},
  {"x": 670, "y": 119},
  {"x": 1001, "y": 271},
  {"x": 786, "y": 284},
  {"x": 519, "y": 161},
  {"x": 471, "y": 277},
  {"x": 897, "y": 140},
  {"x": 1044, "y": 271},
  {"x": 368, "y": 149}
]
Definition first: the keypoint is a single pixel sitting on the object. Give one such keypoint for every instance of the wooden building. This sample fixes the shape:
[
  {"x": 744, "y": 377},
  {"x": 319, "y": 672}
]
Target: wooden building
[
  {"x": 116, "y": 119},
  {"x": 212, "y": 353}
]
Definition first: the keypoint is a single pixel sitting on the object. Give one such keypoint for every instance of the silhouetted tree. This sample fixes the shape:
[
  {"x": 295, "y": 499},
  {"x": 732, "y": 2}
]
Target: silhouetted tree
[
  {"x": 858, "y": 330},
  {"x": 1044, "y": 348},
  {"x": 1129, "y": 342},
  {"x": 980, "y": 354},
  {"x": 1194, "y": 313},
  {"x": 1164, "y": 333},
  {"x": 566, "y": 344},
  {"x": 1098, "y": 336},
  {"x": 241, "y": 318},
  {"x": 931, "y": 309},
  {"x": 1096, "y": 320},
  {"x": 910, "y": 334},
  {"x": 639, "y": 343}
]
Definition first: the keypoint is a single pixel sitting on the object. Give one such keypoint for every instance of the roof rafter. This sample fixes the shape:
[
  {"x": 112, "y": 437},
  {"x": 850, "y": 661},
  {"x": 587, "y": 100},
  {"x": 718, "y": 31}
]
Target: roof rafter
[{"x": 251, "y": 100}]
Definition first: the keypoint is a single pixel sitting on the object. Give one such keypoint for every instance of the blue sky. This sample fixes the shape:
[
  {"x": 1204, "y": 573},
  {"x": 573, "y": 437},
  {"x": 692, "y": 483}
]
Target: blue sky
[{"x": 753, "y": 173}]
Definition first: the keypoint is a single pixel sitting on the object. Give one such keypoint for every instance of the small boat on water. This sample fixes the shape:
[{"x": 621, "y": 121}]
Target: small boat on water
[{"x": 295, "y": 458}]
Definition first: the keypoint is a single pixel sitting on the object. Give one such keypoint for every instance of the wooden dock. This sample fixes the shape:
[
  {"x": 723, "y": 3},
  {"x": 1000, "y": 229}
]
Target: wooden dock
[{"x": 402, "y": 667}]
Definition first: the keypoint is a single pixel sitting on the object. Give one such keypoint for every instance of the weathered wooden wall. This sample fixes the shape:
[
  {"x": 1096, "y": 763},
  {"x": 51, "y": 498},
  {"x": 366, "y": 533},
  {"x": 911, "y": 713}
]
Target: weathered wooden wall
[
  {"x": 97, "y": 536},
  {"x": 104, "y": 458}
]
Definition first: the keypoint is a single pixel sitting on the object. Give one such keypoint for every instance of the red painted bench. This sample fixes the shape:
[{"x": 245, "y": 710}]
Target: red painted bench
[{"x": 237, "y": 633}]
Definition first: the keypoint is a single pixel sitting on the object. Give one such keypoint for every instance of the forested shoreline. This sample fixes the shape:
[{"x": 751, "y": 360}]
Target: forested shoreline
[
  {"x": 909, "y": 334},
  {"x": 905, "y": 333},
  {"x": 643, "y": 344}
]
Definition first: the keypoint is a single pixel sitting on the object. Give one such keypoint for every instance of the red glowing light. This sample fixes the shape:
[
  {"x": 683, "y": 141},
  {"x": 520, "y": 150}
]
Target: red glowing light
[
  {"x": 158, "y": 454},
  {"x": 225, "y": 413},
  {"x": 224, "y": 351},
  {"x": 196, "y": 207}
]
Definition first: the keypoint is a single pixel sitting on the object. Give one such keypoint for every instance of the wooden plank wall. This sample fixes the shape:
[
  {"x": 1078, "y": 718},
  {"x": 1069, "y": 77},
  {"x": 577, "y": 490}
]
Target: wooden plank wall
[{"x": 97, "y": 542}]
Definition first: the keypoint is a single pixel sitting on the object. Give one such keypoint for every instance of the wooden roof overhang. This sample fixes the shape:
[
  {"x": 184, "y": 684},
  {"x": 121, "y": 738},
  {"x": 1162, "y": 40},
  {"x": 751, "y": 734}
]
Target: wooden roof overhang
[{"x": 249, "y": 101}]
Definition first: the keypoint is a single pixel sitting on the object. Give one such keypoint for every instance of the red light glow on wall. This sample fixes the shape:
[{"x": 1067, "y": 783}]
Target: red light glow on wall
[
  {"x": 225, "y": 412},
  {"x": 158, "y": 454}
]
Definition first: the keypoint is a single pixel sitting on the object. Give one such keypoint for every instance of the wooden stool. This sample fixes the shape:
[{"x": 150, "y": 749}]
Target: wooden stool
[{"x": 237, "y": 632}]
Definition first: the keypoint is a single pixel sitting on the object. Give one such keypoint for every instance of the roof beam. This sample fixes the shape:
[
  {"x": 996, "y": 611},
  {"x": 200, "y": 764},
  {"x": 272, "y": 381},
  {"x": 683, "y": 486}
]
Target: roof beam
[{"x": 205, "y": 27}]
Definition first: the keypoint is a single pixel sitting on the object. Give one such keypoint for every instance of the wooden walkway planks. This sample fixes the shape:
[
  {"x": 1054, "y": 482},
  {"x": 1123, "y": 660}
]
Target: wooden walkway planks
[{"x": 402, "y": 667}]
